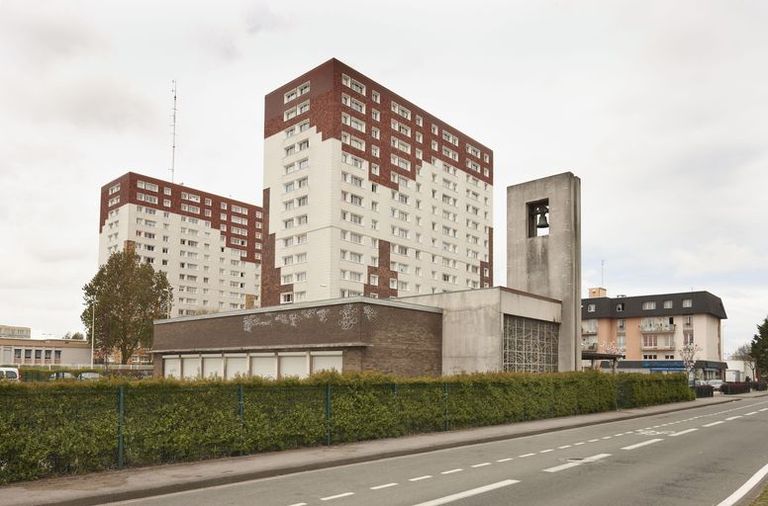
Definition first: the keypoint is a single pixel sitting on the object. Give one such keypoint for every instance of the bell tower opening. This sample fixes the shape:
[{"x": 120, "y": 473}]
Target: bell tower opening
[{"x": 538, "y": 218}]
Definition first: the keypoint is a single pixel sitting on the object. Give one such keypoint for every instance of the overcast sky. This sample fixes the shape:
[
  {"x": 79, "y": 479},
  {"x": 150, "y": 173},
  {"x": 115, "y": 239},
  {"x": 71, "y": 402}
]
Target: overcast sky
[{"x": 661, "y": 108}]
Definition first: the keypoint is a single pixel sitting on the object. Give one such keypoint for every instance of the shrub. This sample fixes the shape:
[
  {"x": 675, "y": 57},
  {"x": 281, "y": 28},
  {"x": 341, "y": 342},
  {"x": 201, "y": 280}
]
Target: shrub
[
  {"x": 74, "y": 427},
  {"x": 759, "y": 385},
  {"x": 705, "y": 391},
  {"x": 734, "y": 388}
]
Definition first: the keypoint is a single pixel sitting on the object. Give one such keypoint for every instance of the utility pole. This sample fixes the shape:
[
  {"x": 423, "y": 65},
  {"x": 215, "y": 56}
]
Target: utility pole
[
  {"x": 173, "y": 131},
  {"x": 93, "y": 329}
]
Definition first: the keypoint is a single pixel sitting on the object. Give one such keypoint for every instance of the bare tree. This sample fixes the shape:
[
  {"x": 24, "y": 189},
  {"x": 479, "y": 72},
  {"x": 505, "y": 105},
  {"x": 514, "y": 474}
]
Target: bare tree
[
  {"x": 744, "y": 353},
  {"x": 688, "y": 356}
]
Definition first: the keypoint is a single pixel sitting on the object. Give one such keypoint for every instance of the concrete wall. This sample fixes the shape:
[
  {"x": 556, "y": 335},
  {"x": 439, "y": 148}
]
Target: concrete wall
[
  {"x": 549, "y": 265},
  {"x": 473, "y": 324}
]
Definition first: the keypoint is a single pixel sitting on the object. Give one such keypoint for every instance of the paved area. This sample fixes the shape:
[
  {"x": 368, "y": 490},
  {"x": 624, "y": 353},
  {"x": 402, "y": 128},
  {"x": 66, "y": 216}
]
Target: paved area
[{"x": 99, "y": 488}]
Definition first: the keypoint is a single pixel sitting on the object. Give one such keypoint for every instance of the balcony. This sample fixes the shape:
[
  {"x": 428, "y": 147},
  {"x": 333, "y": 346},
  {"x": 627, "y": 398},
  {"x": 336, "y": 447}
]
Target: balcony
[
  {"x": 658, "y": 347},
  {"x": 657, "y": 328},
  {"x": 588, "y": 331}
]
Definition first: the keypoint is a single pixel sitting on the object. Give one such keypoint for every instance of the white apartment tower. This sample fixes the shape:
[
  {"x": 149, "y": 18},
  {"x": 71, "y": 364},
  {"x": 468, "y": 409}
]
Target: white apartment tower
[
  {"x": 209, "y": 246},
  {"x": 367, "y": 194}
]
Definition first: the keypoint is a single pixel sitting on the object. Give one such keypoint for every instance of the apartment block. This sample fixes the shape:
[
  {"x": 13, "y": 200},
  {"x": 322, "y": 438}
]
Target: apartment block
[
  {"x": 366, "y": 193},
  {"x": 654, "y": 327},
  {"x": 15, "y": 332},
  {"x": 209, "y": 246}
]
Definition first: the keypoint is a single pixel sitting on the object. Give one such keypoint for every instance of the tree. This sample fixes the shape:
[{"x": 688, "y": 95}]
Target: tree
[
  {"x": 126, "y": 295},
  {"x": 688, "y": 356},
  {"x": 77, "y": 336},
  {"x": 760, "y": 348},
  {"x": 744, "y": 353}
]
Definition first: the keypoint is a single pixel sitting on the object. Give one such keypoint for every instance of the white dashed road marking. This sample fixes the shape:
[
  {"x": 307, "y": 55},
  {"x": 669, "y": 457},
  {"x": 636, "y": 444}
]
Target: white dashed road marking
[
  {"x": 505, "y": 460},
  {"x": 337, "y": 496},
  {"x": 386, "y": 485},
  {"x": 713, "y": 424},
  {"x": 733, "y": 417},
  {"x": 451, "y": 471},
  {"x": 419, "y": 478},
  {"x": 481, "y": 465},
  {"x": 644, "y": 443},
  {"x": 525, "y": 455},
  {"x": 468, "y": 493},
  {"x": 569, "y": 465},
  {"x": 682, "y": 432}
]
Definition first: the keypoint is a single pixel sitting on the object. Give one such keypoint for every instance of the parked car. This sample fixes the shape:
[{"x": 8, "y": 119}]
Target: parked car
[
  {"x": 61, "y": 375},
  {"x": 715, "y": 383},
  {"x": 9, "y": 374},
  {"x": 89, "y": 376}
]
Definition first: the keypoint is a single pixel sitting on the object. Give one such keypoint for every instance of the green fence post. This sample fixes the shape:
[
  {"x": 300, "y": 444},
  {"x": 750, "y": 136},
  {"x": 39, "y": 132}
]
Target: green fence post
[
  {"x": 328, "y": 414},
  {"x": 241, "y": 404},
  {"x": 121, "y": 426},
  {"x": 445, "y": 406}
]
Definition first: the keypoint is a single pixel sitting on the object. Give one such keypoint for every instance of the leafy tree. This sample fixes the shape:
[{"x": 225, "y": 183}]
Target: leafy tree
[
  {"x": 77, "y": 336},
  {"x": 760, "y": 348},
  {"x": 744, "y": 353},
  {"x": 127, "y": 295}
]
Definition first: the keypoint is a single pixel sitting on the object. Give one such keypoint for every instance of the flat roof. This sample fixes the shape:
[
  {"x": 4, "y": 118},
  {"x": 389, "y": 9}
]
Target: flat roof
[{"x": 306, "y": 305}]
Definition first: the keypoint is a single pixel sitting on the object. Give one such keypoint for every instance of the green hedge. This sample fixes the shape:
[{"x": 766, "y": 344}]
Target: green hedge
[{"x": 53, "y": 428}]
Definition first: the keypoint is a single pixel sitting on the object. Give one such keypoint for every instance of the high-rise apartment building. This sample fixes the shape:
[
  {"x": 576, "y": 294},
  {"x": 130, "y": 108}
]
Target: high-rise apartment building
[
  {"x": 209, "y": 246},
  {"x": 653, "y": 327},
  {"x": 367, "y": 194}
]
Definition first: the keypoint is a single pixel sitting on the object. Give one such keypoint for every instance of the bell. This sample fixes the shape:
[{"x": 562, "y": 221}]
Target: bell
[{"x": 542, "y": 221}]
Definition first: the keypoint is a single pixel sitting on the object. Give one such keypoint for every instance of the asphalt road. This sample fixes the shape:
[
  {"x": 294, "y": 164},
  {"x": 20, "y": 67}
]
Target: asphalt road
[{"x": 693, "y": 457}]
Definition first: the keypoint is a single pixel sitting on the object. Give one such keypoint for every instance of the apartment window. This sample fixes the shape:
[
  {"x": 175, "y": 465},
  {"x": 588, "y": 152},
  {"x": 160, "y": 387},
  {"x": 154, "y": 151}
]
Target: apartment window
[
  {"x": 286, "y": 298},
  {"x": 353, "y": 84},
  {"x": 620, "y": 324},
  {"x": 620, "y": 307},
  {"x": 401, "y": 111},
  {"x": 687, "y": 302},
  {"x": 147, "y": 186},
  {"x": 376, "y": 97},
  {"x": 373, "y": 279},
  {"x": 114, "y": 189},
  {"x": 667, "y": 304},
  {"x": 649, "y": 305}
]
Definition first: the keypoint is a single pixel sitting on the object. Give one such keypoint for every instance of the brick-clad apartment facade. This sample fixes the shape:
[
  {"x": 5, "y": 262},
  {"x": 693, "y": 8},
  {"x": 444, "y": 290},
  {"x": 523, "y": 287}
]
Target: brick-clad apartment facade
[
  {"x": 209, "y": 246},
  {"x": 370, "y": 194}
]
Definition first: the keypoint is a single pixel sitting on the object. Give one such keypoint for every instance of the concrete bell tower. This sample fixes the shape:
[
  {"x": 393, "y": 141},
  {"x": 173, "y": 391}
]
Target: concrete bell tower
[{"x": 544, "y": 251}]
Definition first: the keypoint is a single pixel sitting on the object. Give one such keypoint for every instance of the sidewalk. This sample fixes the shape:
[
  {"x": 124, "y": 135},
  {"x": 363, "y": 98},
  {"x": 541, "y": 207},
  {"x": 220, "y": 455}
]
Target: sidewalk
[{"x": 98, "y": 488}]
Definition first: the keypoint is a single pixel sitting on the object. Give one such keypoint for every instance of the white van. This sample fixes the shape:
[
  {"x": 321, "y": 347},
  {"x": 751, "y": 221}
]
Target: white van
[{"x": 9, "y": 374}]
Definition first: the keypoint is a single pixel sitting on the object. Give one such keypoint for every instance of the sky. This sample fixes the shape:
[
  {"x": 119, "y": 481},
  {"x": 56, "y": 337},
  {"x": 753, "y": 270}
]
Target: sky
[{"x": 661, "y": 108}]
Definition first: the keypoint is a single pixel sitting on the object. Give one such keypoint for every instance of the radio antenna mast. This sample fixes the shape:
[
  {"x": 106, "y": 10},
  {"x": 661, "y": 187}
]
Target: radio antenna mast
[{"x": 173, "y": 132}]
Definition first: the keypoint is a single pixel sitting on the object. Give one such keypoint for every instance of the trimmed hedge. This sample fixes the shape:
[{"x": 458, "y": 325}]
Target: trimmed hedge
[
  {"x": 76, "y": 427},
  {"x": 704, "y": 391},
  {"x": 735, "y": 388},
  {"x": 759, "y": 385}
]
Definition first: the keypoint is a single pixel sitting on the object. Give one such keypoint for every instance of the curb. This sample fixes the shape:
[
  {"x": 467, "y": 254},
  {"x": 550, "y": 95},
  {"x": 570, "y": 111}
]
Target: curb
[{"x": 290, "y": 469}]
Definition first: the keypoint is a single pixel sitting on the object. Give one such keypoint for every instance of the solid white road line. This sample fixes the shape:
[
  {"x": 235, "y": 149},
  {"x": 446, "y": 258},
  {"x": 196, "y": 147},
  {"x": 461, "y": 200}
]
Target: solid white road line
[
  {"x": 468, "y": 493},
  {"x": 451, "y": 471},
  {"x": 480, "y": 465},
  {"x": 713, "y": 424},
  {"x": 644, "y": 443},
  {"x": 525, "y": 455},
  {"x": 386, "y": 485},
  {"x": 744, "y": 489},
  {"x": 733, "y": 417},
  {"x": 419, "y": 478},
  {"x": 505, "y": 460},
  {"x": 682, "y": 432},
  {"x": 337, "y": 496}
]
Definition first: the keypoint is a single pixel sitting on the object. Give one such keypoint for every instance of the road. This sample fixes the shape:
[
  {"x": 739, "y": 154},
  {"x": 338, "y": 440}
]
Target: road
[{"x": 692, "y": 457}]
